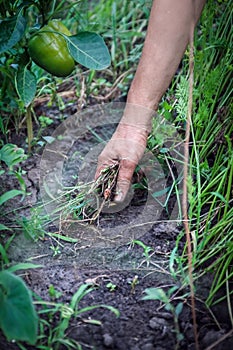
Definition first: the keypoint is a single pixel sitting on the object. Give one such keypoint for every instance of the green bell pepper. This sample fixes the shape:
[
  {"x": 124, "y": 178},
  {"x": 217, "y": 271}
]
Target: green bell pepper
[{"x": 49, "y": 49}]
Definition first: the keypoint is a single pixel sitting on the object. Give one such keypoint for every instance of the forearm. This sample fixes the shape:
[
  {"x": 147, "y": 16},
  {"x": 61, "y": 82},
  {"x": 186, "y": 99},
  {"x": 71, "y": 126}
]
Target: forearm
[{"x": 169, "y": 29}]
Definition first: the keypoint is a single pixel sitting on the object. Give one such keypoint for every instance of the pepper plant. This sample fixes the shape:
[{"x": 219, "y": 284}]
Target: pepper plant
[{"x": 30, "y": 32}]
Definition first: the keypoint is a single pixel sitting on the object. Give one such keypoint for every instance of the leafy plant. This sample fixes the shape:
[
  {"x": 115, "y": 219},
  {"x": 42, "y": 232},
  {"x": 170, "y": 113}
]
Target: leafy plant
[
  {"x": 11, "y": 155},
  {"x": 210, "y": 157},
  {"x": 23, "y": 27},
  {"x": 146, "y": 250},
  {"x": 33, "y": 226},
  {"x": 111, "y": 286},
  {"x": 160, "y": 295},
  {"x": 58, "y": 335},
  {"x": 211, "y": 162},
  {"x": 18, "y": 318}
]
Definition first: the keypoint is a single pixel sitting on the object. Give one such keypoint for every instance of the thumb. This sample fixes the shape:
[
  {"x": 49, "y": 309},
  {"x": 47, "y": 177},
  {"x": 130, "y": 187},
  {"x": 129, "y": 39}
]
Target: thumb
[{"x": 124, "y": 178}]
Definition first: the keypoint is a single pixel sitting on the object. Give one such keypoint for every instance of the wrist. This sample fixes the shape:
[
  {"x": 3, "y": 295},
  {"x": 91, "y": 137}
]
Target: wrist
[
  {"x": 138, "y": 116},
  {"x": 142, "y": 99}
]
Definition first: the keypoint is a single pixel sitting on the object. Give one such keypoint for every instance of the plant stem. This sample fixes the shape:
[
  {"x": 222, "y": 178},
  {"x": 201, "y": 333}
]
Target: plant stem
[
  {"x": 29, "y": 127},
  {"x": 185, "y": 184}
]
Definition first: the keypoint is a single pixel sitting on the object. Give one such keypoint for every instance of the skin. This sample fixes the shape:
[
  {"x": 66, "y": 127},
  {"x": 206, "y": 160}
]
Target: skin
[{"x": 170, "y": 27}]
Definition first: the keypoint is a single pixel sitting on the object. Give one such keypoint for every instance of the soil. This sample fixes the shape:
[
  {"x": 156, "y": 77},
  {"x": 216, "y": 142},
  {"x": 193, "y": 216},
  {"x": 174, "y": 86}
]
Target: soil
[{"x": 98, "y": 261}]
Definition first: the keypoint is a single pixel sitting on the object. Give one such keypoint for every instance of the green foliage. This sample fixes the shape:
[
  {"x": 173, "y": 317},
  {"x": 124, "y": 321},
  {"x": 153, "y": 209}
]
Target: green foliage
[
  {"x": 89, "y": 45},
  {"x": 160, "y": 295},
  {"x": 147, "y": 251},
  {"x": 33, "y": 226},
  {"x": 4, "y": 248},
  {"x": 210, "y": 179},
  {"x": 111, "y": 286},
  {"x": 9, "y": 195},
  {"x": 12, "y": 30},
  {"x": 18, "y": 319},
  {"x": 12, "y": 155},
  {"x": 211, "y": 162},
  {"x": 89, "y": 50},
  {"x": 20, "y": 23},
  {"x": 212, "y": 156},
  {"x": 181, "y": 94},
  {"x": 25, "y": 83},
  {"x": 58, "y": 335}
]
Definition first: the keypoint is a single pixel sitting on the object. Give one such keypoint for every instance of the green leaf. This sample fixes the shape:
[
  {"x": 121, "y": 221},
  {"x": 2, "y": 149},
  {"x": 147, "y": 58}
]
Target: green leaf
[
  {"x": 12, "y": 155},
  {"x": 220, "y": 196},
  {"x": 89, "y": 49},
  {"x": 93, "y": 307},
  {"x": 3, "y": 254},
  {"x": 95, "y": 322},
  {"x": 161, "y": 193},
  {"x": 11, "y": 31},
  {"x": 155, "y": 294},
  {"x": 64, "y": 238},
  {"x": 25, "y": 82},
  {"x": 23, "y": 266},
  {"x": 83, "y": 290},
  {"x": 18, "y": 318},
  {"x": 178, "y": 309},
  {"x": 4, "y": 227},
  {"x": 9, "y": 195}
]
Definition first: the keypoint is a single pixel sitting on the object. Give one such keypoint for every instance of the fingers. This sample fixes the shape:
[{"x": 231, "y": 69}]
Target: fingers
[{"x": 125, "y": 175}]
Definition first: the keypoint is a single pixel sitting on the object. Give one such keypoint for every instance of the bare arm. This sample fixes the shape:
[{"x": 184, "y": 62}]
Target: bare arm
[
  {"x": 168, "y": 33},
  {"x": 170, "y": 26}
]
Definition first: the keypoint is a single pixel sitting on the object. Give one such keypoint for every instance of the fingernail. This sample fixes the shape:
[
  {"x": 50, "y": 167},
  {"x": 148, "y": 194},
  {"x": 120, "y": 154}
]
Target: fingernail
[{"x": 118, "y": 197}]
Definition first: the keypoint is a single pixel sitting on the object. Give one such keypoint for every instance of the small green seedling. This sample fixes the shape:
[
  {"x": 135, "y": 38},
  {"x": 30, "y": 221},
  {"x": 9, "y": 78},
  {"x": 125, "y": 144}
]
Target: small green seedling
[
  {"x": 56, "y": 250},
  {"x": 111, "y": 287},
  {"x": 133, "y": 283},
  {"x": 165, "y": 298},
  {"x": 146, "y": 250},
  {"x": 53, "y": 293}
]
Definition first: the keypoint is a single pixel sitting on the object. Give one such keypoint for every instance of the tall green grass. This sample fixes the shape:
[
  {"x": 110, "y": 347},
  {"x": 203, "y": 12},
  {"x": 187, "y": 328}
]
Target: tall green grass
[{"x": 211, "y": 151}]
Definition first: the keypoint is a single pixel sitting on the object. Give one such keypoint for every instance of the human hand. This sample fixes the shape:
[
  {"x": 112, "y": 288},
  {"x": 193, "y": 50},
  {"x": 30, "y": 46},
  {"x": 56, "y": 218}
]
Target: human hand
[{"x": 126, "y": 147}]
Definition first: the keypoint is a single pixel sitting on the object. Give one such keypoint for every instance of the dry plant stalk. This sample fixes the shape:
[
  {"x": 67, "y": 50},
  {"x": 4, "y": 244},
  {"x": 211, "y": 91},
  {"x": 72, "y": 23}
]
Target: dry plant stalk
[{"x": 185, "y": 183}]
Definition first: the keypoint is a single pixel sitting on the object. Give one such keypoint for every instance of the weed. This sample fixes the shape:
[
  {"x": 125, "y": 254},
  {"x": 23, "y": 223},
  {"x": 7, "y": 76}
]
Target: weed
[
  {"x": 160, "y": 295},
  {"x": 53, "y": 293},
  {"x": 211, "y": 157},
  {"x": 10, "y": 157},
  {"x": 58, "y": 335},
  {"x": 146, "y": 250},
  {"x": 55, "y": 249},
  {"x": 111, "y": 287},
  {"x": 33, "y": 226},
  {"x": 133, "y": 283}
]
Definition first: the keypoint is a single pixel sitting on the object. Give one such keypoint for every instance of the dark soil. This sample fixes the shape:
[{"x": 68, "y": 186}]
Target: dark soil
[{"x": 98, "y": 261}]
